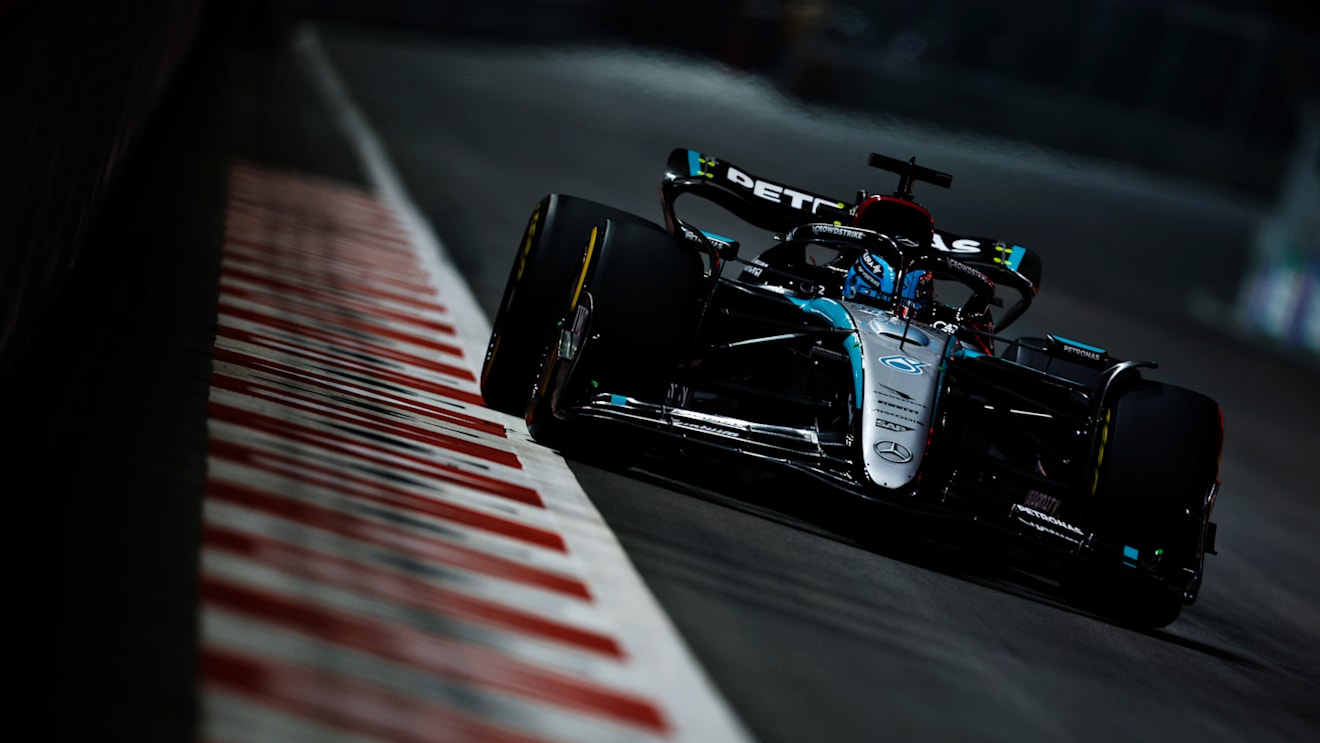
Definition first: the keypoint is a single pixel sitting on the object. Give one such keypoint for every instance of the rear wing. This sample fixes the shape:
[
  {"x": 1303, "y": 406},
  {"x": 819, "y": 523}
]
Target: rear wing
[
  {"x": 779, "y": 208},
  {"x": 908, "y": 172}
]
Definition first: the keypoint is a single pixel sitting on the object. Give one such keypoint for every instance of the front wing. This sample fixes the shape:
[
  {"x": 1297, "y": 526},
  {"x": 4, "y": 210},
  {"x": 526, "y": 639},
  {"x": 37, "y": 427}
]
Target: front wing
[{"x": 833, "y": 459}]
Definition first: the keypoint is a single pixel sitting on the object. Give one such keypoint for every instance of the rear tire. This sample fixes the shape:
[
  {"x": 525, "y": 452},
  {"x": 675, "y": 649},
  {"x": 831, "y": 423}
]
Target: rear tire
[
  {"x": 1158, "y": 460},
  {"x": 1098, "y": 589},
  {"x": 548, "y": 258},
  {"x": 635, "y": 311}
]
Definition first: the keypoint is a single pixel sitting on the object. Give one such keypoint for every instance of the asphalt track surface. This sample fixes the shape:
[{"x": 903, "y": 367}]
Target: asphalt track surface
[{"x": 810, "y": 636}]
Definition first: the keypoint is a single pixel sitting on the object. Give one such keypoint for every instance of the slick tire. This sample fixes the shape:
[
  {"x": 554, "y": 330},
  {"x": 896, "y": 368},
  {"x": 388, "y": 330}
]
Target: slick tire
[
  {"x": 548, "y": 256},
  {"x": 1156, "y": 463},
  {"x": 633, "y": 311}
]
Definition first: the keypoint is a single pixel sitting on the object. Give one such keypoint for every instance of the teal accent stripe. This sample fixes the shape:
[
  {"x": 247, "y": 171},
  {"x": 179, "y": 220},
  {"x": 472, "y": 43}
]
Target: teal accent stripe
[
  {"x": 962, "y": 352},
  {"x": 853, "y": 345},
  {"x": 694, "y": 166},
  {"x": 1015, "y": 257},
  {"x": 618, "y": 400},
  {"x": 827, "y": 308},
  {"x": 838, "y": 316},
  {"x": 714, "y": 236},
  {"x": 1130, "y": 555}
]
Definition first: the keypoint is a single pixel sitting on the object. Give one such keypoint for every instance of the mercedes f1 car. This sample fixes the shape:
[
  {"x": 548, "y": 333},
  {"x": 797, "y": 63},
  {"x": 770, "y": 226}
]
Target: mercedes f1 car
[{"x": 863, "y": 348}]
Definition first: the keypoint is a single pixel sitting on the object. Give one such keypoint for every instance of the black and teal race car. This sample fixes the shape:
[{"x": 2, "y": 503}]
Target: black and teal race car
[{"x": 862, "y": 347}]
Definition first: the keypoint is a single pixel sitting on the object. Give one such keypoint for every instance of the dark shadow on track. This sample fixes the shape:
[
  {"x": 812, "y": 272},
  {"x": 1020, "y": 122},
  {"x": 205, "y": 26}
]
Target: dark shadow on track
[{"x": 949, "y": 546}]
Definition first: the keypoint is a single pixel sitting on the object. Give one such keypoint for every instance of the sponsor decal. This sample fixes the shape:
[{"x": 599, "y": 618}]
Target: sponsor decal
[
  {"x": 1047, "y": 524},
  {"x": 752, "y": 270},
  {"x": 777, "y": 194},
  {"x": 964, "y": 268},
  {"x": 1078, "y": 348},
  {"x": 896, "y": 393},
  {"x": 890, "y": 425},
  {"x": 708, "y": 428},
  {"x": 829, "y": 229},
  {"x": 873, "y": 262},
  {"x": 902, "y": 408},
  {"x": 903, "y": 364},
  {"x": 1042, "y": 502},
  {"x": 961, "y": 245},
  {"x": 1084, "y": 353},
  {"x": 946, "y": 327},
  {"x": 892, "y": 451},
  {"x": 692, "y": 235}
]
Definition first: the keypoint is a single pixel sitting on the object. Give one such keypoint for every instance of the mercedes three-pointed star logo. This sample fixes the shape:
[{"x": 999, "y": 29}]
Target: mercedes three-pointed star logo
[{"x": 893, "y": 452}]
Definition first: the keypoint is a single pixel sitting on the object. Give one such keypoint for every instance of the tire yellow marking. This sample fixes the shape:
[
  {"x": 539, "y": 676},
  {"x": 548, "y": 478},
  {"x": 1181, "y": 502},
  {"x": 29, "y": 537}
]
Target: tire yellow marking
[
  {"x": 527, "y": 244},
  {"x": 517, "y": 279},
  {"x": 1100, "y": 452},
  {"x": 553, "y": 364},
  {"x": 586, "y": 264}
]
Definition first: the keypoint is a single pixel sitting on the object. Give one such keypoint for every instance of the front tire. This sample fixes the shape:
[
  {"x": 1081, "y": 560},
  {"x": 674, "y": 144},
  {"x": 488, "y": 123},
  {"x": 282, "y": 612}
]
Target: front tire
[
  {"x": 548, "y": 255},
  {"x": 629, "y": 319},
  {"x": 1157, "y": 465}
]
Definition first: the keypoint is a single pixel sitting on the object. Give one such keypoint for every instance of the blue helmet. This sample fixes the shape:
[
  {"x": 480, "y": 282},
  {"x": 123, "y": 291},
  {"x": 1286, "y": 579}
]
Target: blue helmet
[{"x": 871, "y": 277}]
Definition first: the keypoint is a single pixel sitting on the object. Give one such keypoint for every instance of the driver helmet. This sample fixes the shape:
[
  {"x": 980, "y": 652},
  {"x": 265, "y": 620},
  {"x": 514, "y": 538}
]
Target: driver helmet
[{"x": 872, "y": 278}]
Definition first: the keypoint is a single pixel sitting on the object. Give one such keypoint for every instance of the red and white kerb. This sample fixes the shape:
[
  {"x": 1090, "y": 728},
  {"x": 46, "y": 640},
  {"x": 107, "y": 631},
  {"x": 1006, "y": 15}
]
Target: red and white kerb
[{"x": 384, "y": 558}]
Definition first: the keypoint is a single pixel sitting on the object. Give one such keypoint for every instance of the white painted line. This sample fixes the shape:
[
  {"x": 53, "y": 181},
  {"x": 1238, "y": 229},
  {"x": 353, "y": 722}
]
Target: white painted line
[{"x": 664, "y": 664}]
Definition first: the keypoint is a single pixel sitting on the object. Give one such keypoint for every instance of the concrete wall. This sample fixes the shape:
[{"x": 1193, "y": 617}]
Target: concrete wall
[{"x": 78, "y": 81}]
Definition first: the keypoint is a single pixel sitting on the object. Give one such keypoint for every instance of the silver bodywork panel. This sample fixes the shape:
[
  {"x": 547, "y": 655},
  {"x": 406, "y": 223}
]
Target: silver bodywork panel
[{"x": 901, "y": 371}]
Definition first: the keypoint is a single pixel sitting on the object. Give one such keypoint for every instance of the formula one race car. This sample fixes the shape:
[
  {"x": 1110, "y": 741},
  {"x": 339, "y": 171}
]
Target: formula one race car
[{"x": 837, "y": 352}]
